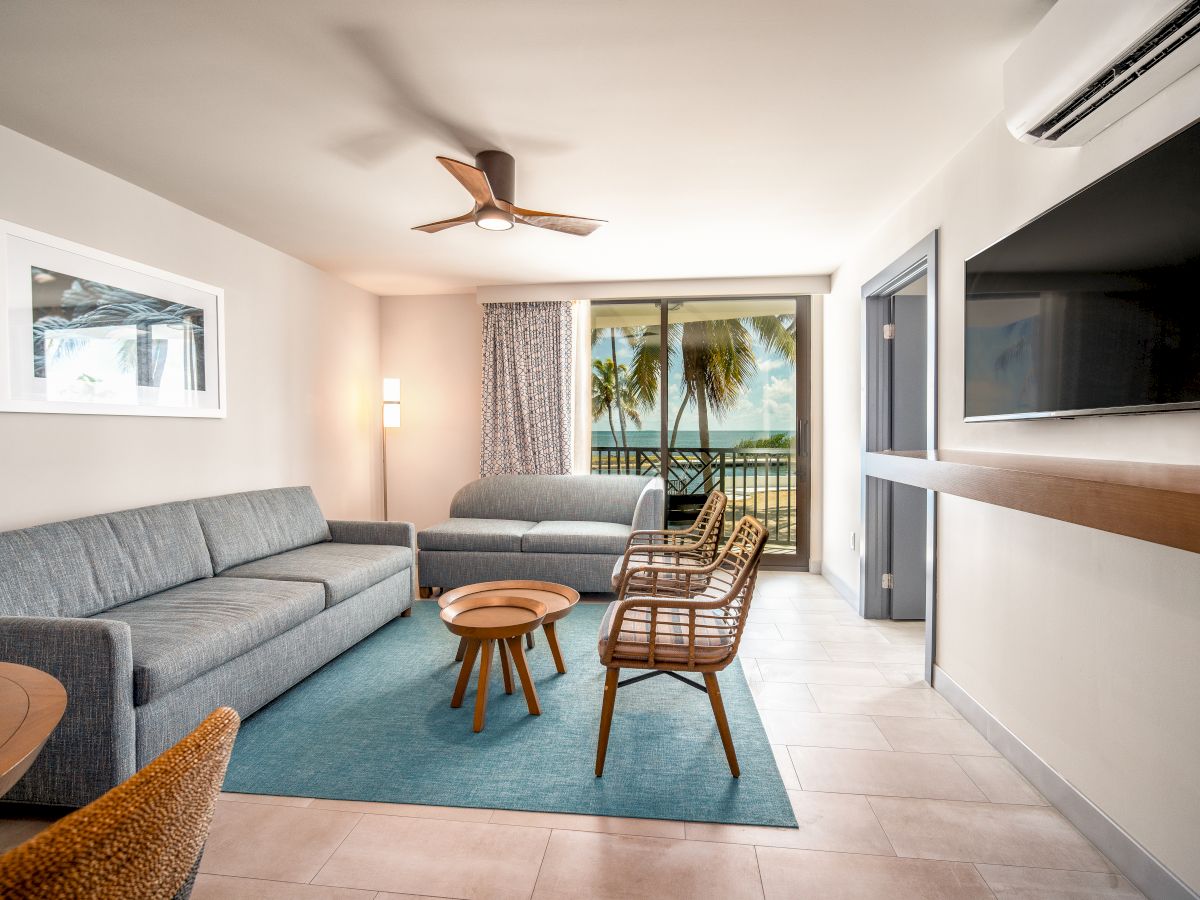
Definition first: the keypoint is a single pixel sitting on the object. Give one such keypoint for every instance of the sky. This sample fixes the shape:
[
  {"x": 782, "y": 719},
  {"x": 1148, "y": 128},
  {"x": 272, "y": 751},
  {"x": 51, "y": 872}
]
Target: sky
[{"x": 768, "y": 405}]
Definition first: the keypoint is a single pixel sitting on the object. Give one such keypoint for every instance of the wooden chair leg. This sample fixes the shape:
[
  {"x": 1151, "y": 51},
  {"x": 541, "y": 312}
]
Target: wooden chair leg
[
  {"x": 606, "y": 714},
  {"x": 531, "y": 697},
  {"x": 552, "y": 640},
  {"x": 718, "y": 707},
  {"x": 505, "y": 667},
  {"x": 462, "y": 646},
  {"x": 425, "y": 593},
  {"x": 464, "y": 676},
  {"x": 485, "y": 664}
]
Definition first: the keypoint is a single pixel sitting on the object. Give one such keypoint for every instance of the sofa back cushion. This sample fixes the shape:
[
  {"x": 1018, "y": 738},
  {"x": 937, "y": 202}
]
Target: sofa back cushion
[
  {"x": 540, "y": 498},
  {"x": 85, "y": 566},
  {"x": 240, "y": 528}
]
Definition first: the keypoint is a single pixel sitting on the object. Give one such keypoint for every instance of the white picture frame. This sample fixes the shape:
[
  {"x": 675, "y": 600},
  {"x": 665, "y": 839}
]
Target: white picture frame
[{"x": 87, "y": 332}]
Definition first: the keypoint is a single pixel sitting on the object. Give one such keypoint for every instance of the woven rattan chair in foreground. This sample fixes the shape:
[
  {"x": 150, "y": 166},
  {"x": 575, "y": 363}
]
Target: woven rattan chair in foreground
[
  {"x": 682, "y": 619},
  {"x": 140, "y": 841},
  {"x": 695, "y": 545}
]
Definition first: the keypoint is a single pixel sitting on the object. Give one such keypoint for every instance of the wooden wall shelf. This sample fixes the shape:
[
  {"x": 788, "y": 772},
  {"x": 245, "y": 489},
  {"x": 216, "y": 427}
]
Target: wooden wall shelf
[{"x": 1149, "y": 501}]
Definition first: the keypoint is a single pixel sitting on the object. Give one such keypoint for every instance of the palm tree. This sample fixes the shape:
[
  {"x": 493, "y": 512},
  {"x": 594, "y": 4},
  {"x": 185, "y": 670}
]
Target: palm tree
[
  {"x": 611, "y": 388},
  {"x": 717, "y": 358}
]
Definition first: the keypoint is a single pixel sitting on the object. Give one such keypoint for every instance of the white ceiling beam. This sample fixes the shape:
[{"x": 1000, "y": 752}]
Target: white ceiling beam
[{"x": 769, "y": 286}]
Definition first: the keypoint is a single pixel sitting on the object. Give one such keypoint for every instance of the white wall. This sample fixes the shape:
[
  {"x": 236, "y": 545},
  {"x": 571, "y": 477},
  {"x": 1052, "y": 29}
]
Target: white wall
[
  {"x": 301, "y": 352},
  {"x": 433, "y": 345},
  {"x": 1083, "y": 643}
]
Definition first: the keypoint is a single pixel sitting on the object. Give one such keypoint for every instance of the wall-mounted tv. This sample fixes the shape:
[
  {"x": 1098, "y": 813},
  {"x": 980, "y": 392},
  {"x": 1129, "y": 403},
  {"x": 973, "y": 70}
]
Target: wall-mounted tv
[{"x": 1094, "y": 307}]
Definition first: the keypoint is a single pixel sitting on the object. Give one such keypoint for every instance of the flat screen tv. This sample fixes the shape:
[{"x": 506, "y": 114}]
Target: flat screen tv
[{"x": 1093, "y": 308}]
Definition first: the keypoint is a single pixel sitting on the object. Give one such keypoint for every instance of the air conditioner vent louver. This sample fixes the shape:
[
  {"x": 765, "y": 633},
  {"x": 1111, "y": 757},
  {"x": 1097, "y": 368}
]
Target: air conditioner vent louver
[{"x": 1153, "y": 49}]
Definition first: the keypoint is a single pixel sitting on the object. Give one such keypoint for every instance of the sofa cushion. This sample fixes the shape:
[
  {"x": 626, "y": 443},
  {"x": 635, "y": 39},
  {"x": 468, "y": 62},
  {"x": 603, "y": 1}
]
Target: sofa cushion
[
  {"x": 85, "y": 566},
  {"x": 541, "y": 498},
  {"x": 496, "y": 535},
  {"x": 182, "y": 633},
  {"x": 243, "y": 527},
  {"x": 343, "y": 570},
  {"x": 575, "y": 537}
]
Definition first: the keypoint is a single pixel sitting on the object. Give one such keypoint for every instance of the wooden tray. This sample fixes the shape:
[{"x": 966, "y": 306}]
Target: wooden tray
[
  {"x": 493, "y": 616},
  {"x": 558, "y": 598}
]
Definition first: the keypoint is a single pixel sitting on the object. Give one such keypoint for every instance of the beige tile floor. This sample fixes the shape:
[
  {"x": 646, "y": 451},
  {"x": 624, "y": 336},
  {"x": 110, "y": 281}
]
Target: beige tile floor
[{"x": 895, "y": 794}]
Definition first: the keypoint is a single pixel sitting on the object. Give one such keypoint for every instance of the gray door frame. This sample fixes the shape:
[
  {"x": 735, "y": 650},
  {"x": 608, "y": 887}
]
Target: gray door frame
[{"x": 874, "y": 602}]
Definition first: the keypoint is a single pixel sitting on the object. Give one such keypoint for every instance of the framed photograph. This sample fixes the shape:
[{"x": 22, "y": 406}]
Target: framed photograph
[{"x": 83, "y": 331}]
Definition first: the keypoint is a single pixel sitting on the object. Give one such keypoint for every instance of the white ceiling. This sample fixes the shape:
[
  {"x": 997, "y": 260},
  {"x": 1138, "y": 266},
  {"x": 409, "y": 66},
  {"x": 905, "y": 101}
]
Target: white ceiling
[{"x": 718, "y": 137}]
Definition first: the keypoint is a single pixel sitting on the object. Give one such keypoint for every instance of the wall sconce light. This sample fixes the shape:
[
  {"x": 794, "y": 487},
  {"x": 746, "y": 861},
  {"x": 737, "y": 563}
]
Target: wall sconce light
[{"x": 391, "y": 419}]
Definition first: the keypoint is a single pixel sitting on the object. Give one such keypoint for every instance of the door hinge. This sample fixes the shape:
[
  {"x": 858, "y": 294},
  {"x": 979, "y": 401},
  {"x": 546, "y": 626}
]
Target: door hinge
[
  {"x": 889, "y": 581},
  {"x": 889, "y": 331}
]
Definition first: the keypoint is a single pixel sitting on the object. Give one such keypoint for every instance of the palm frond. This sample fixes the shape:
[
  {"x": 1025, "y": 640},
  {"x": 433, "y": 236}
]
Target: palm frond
[{"x": 778, "y": 334}]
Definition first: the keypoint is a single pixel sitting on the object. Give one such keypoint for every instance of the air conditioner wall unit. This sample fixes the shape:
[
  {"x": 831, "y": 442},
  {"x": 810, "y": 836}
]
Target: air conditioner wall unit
[{"x": 1089, "y": 62}]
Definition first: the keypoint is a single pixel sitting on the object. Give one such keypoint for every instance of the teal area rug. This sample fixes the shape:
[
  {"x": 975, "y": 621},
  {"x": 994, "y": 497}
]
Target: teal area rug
[{"x": 376, "y": 724}]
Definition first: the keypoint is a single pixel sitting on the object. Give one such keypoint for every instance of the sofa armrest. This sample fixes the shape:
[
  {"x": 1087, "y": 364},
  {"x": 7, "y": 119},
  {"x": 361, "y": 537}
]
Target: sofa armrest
[
  {"x": 93, "y": 748},
  {"x": 400, "y": 534},
  {"x": 648, "y": 514}
]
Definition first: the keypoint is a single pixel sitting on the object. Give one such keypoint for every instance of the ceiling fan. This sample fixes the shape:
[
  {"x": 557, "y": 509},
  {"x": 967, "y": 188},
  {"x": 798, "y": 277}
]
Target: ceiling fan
[{"x": 490, "y": 183}]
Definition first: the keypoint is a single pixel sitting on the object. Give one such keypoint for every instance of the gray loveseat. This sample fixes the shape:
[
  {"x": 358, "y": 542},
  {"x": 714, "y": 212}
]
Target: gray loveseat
[
  {"x": 153, "y": 617},
  {"x": 569, "y": 529}
]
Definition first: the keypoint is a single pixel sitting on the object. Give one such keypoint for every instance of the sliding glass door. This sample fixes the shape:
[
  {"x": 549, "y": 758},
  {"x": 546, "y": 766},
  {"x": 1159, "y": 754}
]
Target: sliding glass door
[{"x": 731, "y": 413}]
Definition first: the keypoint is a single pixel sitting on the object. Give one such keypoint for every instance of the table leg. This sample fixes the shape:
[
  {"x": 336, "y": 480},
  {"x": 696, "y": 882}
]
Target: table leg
[
  {"x": 552, "y": 640},
  {"x": 504, "y": 666},
  {"x": 485, "y": 664},
  {"x": 531, "y": 697},
  {"x": 464, "y": 675},
  {"x": 529, "y": 640},
  {"x": 462, "y": 646}
]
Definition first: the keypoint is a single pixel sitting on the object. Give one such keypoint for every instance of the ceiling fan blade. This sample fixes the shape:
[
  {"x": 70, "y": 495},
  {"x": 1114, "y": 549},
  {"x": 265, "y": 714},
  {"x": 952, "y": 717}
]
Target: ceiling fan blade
[
  {"x": 404, "y": 98},
  {"x": 557, "y": 221},
  {"x": 473, "y": 179},
  {"x": 435, "y": 227}
]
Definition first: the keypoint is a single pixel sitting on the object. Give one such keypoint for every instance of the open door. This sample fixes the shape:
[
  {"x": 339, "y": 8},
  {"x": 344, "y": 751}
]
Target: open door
[
  {"x": 897, "y": 565},
  {"x": 906, "y": 352}
]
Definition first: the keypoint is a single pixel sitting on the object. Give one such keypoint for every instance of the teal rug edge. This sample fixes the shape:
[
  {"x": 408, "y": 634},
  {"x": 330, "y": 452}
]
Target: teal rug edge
[{"x": 375, "y": 725}]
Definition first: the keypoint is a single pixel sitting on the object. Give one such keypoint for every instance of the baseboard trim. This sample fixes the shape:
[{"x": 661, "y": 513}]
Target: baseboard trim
[
  {"x": 1136, "y": 863},
  {"x": 849, "y": 595}
]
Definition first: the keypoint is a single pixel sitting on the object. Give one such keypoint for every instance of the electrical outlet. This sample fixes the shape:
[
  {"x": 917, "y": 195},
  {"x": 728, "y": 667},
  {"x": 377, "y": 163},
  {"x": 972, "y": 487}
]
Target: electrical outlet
[{"x": 853, "y": 541}]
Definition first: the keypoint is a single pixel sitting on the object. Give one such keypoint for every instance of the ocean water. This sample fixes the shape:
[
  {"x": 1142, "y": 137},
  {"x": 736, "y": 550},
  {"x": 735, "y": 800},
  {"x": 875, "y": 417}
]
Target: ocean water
[{"x": 716, "y": 438}]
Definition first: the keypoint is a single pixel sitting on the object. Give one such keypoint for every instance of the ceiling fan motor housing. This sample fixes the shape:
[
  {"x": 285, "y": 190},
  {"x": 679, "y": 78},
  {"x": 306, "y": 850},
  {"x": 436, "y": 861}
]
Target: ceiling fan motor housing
[{"x": 501, "y": 170}]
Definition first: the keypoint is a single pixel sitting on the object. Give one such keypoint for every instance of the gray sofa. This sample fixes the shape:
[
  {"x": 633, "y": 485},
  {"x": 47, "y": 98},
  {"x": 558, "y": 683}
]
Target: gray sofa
[
  {"x": 569, "y": 529},
  {"x": 153, "y": 617}
]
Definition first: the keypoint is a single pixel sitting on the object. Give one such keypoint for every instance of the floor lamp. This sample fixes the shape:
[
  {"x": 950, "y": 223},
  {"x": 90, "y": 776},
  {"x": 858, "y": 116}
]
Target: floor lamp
[{"x": 391, "y": 419}]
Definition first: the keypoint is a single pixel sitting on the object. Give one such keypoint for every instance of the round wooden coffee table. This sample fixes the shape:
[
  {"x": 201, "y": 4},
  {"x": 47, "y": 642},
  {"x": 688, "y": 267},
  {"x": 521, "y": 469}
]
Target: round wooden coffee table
[
  {"x": 559, "y": 600},
  {"x": 31, "y": 704},
  {"x": 483, "y": 620}
]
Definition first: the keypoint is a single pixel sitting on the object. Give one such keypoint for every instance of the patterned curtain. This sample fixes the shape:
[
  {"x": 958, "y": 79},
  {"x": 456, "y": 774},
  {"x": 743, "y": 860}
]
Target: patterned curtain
[{"x": 527, "y": 398}]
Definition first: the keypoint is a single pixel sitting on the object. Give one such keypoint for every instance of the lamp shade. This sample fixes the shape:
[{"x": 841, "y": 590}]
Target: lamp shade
[
  {"x": 391, "y": 415},
  {"x": 391, "y": 390}
]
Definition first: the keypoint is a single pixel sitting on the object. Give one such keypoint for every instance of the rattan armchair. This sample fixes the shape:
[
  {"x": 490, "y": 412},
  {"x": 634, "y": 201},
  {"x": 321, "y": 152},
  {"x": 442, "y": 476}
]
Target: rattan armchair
[
  {"x": 682, "y": 619},
  {"x": 695, "y": 545},
  {"x": 140, "y": 841}
]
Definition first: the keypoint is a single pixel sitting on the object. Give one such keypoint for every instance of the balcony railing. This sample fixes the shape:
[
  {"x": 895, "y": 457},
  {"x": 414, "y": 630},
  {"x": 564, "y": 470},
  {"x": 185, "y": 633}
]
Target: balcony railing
[{"x": 764, "y": 483}]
